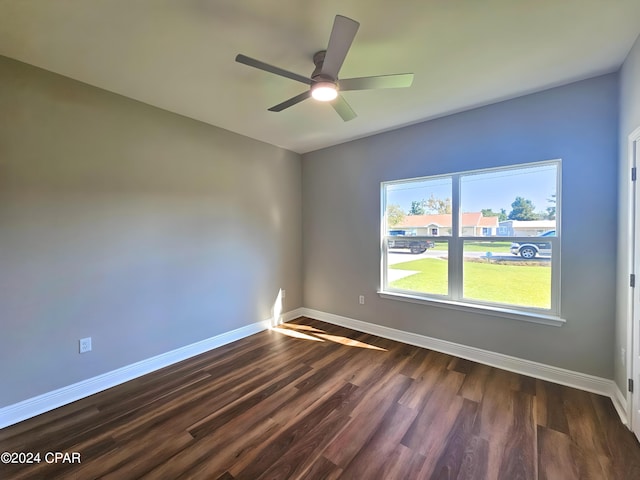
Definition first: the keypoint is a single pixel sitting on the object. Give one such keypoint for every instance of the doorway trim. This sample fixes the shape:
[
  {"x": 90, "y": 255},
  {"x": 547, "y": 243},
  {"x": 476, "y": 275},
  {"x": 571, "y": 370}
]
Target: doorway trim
[{"x": 633, "y": 263}]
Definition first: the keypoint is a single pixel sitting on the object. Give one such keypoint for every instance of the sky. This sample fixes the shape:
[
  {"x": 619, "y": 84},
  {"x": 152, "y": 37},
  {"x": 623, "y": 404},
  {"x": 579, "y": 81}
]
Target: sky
[{"x": 494, "y": 189}]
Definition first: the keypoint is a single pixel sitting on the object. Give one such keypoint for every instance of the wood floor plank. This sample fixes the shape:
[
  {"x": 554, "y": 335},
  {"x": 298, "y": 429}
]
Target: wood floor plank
[
  {"x": 365, "y": 419},
  {"x": 438, "y": 415},
  {"x": 555, "y": 459},
  {"x": 370, "y": 459},
  {"x": 461, "y": 365},
  {"x": 322, "y": 469},
  {"x": 475, "y": 461},
  {"x": 426, "y": 378},
  {"x": 549, "y": 405},
  {"x": 495, "y": 417},
  {"x": 300, "y": 456},
  {"x": 622, "y": 445},
  {"x": 432, "y": 445},
  {"x": 225, "y": 476},
  {"x": 519, "y": 459},
  {"x": 214, "y": 455},
  {"x": 271, "y": 452},
  {"x": 585, "y": 430},
  {"x": 133, "y": 458},
  {"x": 224, "y": 415},
  {"x": 401, "y": 463},
  {"x": 310, "y": 400},
  {"x": 475, "y": 382},
  {"x": 237, "y": 446},
  {"x": 450, "y": 461}
]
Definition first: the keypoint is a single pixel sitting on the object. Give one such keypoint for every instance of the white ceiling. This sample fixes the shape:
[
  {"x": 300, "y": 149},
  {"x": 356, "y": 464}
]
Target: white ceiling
[{"x": 179, "y": 55}]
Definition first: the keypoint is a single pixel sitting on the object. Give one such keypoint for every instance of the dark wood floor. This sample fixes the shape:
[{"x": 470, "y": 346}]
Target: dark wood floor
[{"x": 315, "y": 401}]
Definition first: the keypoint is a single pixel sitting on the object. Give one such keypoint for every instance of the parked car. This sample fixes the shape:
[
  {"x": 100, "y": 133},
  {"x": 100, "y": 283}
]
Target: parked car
[
  {"x": 414, "y": 243},
  {"x": 533, "y": 248}
]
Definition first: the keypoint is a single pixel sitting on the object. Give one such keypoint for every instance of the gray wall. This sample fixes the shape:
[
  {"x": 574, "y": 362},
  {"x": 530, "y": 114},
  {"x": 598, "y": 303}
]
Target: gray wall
[
  {"x": 140, "y": 228},
  {"x": 629, "y": 121},
  {"x": 341, "y": 205}
]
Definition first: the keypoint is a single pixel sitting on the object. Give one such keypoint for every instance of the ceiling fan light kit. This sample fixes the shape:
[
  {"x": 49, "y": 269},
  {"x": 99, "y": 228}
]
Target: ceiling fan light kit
[
  {"x": 324, "y": 84},
  {"x": 324, "y": 91}
]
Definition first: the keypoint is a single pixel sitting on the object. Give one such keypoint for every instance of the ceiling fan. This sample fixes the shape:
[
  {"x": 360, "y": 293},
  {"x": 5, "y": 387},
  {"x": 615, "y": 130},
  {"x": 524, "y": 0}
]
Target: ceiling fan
[{"x": 324, "y": 83}]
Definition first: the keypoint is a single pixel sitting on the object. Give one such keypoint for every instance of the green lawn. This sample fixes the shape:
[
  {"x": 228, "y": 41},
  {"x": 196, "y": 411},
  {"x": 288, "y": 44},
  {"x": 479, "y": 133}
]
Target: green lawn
[
  {"x": 524, "y": 285},
  {"x": 431, "y": 279}
]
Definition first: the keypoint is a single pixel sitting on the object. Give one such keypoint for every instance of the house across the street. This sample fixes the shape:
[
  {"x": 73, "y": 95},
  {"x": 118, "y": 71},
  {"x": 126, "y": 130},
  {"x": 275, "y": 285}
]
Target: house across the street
[
  {"x": 474, "y": 224},
  {"x": 525, "y": 228}
]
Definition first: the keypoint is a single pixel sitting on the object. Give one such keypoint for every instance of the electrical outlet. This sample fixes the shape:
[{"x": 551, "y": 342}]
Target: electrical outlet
[
  {"x": 85, "y": 345},
  {"x": 623, "y": 356},
  {"x": 284, "y": 293},
  {"x": 361, "y": 299}
]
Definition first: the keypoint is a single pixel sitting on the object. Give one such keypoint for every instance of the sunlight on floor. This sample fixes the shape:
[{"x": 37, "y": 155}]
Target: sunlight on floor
[
  {"x": 307, "y": 328},
  {"x": 295, "y": 334},
  {"x": 350, "y": 342},
  {"x": 291, "y": 330}
]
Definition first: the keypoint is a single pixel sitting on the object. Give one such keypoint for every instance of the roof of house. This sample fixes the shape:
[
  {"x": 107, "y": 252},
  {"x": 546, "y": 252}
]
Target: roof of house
[{"x": 471, "y": 219}]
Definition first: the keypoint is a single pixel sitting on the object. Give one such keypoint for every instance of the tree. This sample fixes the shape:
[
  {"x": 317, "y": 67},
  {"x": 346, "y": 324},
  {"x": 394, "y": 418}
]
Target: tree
[
  {"x": 417, "y": 207},
  {"x": 523, "y": 209},
  {"x": 395, "y": 215},
  {"x": 432, "y": 205},
  {"x": 437, "y": 205},
  {"x": 488, "y": 212},
  {"x": 551, "y": 211}
]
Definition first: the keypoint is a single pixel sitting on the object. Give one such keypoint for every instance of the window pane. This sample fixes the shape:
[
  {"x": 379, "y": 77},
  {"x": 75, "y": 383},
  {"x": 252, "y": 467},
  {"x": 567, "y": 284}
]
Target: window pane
[
  {"x": 419, "y": 207},
  {"x": 495, "y": 208},
  {"x": 508, "y": 273},
  {"x": 423, "y": 273},
  {"x": 514, "y": 202}
]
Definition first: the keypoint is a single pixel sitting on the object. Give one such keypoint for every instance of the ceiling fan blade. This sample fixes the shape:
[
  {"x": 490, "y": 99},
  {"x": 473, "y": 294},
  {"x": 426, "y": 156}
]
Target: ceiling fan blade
[
  {"x": 341, "y": 106},
  {"x": 400, "y": 80},
  {"x": 252, "y": 62},
  {"x": 291, "y": 102},
  {"x": 342, "y": 35}
]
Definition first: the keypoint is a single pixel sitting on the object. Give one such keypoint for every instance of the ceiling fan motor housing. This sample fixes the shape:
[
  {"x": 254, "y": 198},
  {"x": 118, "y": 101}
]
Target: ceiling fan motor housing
[{"x": 318, "y": 60}]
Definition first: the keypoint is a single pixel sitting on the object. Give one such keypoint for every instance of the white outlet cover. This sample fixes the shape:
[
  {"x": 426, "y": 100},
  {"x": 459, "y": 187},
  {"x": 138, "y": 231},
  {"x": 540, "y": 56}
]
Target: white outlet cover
[{"x": 85, "y": 345}]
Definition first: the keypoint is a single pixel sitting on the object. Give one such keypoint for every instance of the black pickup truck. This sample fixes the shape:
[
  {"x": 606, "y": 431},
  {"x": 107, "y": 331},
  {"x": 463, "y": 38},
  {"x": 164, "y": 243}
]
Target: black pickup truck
[{"x": 397, "y": 239}]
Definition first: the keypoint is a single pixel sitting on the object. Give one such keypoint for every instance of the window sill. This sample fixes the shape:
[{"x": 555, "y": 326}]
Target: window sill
[{"x": 540, "y": 318}]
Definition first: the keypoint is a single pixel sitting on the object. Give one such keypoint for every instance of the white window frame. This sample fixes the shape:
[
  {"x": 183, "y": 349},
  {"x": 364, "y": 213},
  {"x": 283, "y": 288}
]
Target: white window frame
[{"x": 454, "y": 298}]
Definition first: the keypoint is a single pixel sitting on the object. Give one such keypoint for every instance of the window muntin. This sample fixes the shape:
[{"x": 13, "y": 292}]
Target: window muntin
[{"x": 473, "y": 220}]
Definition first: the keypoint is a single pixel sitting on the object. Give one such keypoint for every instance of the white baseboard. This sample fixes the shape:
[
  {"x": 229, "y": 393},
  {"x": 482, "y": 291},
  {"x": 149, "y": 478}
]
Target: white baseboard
[
  {"x": 620, "y": 402},
  {"x": 31, "y": 407},
  {"x": 582, "y": 381}
]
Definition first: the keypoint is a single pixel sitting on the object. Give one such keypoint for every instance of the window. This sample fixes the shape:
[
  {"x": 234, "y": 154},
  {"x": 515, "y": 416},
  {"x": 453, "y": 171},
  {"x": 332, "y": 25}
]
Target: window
[{"x": 486, "y": 239}]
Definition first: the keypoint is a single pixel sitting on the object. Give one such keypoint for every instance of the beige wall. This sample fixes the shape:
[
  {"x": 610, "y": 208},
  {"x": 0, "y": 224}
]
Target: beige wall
[{"x": 145, "y": 230}]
